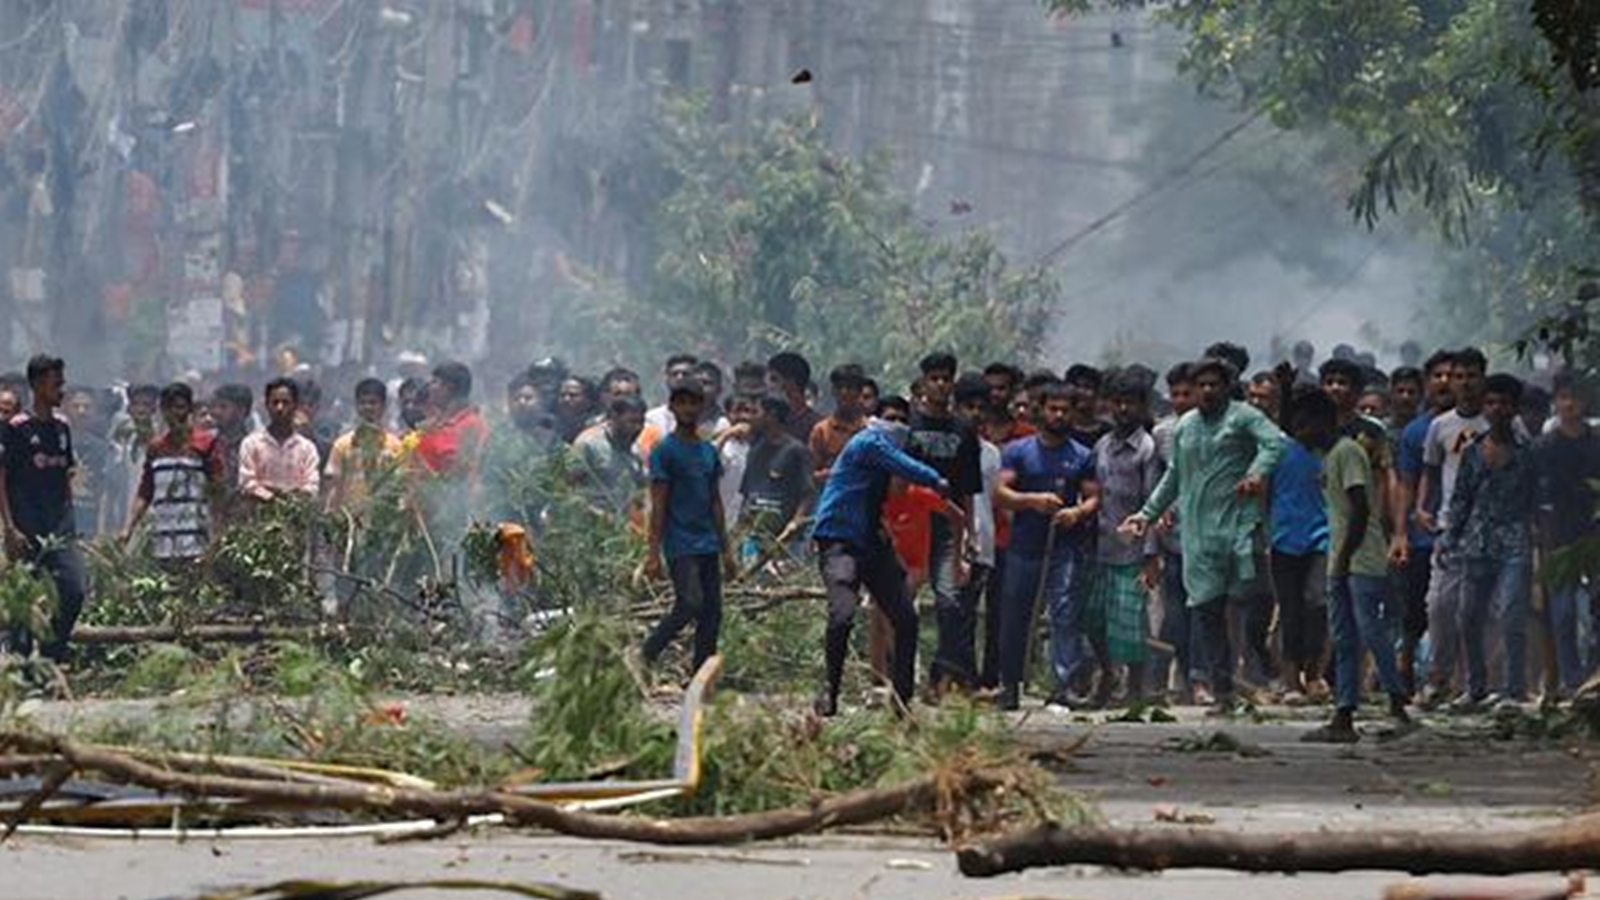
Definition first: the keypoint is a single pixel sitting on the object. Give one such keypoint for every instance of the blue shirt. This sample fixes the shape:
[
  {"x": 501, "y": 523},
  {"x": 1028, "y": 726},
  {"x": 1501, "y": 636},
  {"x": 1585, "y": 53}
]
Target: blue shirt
[
  {"x": 1409, "y": 460},
  {"x": 1038, "y": 469},
  {"x": 691, "y": 471},
  {"x": 851, "y": 507},
  {"x": 1299, "y": 520}
]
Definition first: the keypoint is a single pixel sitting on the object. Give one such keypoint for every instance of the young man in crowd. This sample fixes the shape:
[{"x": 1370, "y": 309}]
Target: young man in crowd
[
  {"x": 854, "y": 552},
  {"x": 713, "y": 419},
  {"x": 1411, "y": 549},
  {"x": 36, "y": 462},
  {"x": 311, "y": 420},
  {"x": 452, "y": 440},
  {"x": 788, "y": 376},
  {"x": 1299, "y": 568},
  {"x": 1265, "y": 394},
  {"x": 1087, "y": 427},
  {"x": 1174, "y": 630},
  {"x": 994, "y": 536},
  {"x": 1222, "y": 456},
  {"x": 955, "y": 662},
  {"x": 733, "y": 448},
  {"x": 1490, "y": 534},
  {"x": 132, "y": 430},
  {"x": 610, "y": 472},
  {"x": 1448, "y": 437},
  {"x": 1127, "y": 469},
  {"x": 181, "y": 485},
  {"x": 1004, "y": 381},
  {"x": 576, "y": 401},
  {"x": 413, "y": 397},
  {"x": 95, "y": 454},
  {"x": 848, "y": 417},
  {"x": 688, "y": 536},
  {"x": 1358, "y": 568},
  {"x": 776, "y": 490},
  {"x": 515, "y": 450},
  {"x": 1374, "y": 404},
  {"x": 279, "y": 461},
  {"x": 1047, "y": 481},
  {"x": 749, "y": 379},
  {"x": 231, "y": 422},
  {"x": 1566, "y": 461},
  {"x": 618, "y": 382},
  {"x": 1407, "y": 388},
  {"x": 950, "y": 446},
  {"x": 678, "y": 371},
  {"x": 358, "y": 455}
]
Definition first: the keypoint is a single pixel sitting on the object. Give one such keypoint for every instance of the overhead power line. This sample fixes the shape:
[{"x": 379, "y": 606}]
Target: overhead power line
[{"x": 1171, "y": 178}]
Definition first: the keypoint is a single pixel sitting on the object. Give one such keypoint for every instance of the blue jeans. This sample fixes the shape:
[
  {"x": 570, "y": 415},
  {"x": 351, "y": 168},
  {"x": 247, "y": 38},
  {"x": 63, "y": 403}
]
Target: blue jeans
[
  {"x": 1063, "y": 604},
  {"x": 1561, "y": 615},
  {"x": 1358, "y": 621},
  {"x": 1509, "y": 581}
]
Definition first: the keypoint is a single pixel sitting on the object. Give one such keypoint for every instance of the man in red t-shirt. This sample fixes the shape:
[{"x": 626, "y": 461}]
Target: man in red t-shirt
[{"x": 452, "y": 440}]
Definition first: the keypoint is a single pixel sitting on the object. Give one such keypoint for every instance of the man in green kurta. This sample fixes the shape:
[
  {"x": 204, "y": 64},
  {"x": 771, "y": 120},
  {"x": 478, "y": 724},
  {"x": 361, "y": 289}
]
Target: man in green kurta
[{"x": 1223, "y": 453}]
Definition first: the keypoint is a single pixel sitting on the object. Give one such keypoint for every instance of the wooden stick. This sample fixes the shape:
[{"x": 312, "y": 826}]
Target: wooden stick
[
  {"x": 223, "y": 633},
  {"x": 855, "y": 808},
  {"x": 1574, "y": 844}
]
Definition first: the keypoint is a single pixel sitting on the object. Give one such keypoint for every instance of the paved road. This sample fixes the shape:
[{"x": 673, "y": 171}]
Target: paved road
[{"x": 1445, "y": 777}]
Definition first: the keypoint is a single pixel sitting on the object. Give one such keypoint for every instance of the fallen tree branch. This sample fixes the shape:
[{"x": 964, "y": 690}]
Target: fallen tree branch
[
  {"x": 54, "y": 778},
  {"x": 1574, "y": 844},
  {"x": 927, "y": 794},
  {"x": 225, "y": 633}
]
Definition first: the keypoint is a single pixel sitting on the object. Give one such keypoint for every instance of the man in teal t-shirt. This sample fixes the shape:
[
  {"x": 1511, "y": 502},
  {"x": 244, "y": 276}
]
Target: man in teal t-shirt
[{"x": 687, "y": 528}]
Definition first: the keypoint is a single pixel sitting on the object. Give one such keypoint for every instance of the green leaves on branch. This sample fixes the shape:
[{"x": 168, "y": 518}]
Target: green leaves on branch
[{"x": 767, "y": 238}]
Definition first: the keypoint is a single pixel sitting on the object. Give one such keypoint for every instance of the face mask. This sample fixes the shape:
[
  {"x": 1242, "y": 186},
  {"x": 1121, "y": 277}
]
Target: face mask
[{"x": 897, "y": 432}]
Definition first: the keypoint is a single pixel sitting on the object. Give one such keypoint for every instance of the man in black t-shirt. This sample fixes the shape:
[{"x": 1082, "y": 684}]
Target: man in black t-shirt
[
  {"x": 1566, "y": 462},
  {"x": 36, "y": 459},
  {"x": 951, "y": 448},
  {"x": 776, "y": 487}
]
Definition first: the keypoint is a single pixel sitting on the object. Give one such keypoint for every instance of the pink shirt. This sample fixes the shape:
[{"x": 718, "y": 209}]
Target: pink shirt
[{"x": 268, "y": 467}]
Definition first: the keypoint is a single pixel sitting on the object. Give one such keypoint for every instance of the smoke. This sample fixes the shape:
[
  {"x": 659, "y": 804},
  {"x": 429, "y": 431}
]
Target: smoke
[{"x": 200, "y": 186}]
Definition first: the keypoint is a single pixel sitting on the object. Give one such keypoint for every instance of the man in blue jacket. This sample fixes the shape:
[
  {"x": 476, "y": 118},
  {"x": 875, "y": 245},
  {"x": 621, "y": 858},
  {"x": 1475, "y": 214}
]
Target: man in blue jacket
[{"x": 854, "y": 551}]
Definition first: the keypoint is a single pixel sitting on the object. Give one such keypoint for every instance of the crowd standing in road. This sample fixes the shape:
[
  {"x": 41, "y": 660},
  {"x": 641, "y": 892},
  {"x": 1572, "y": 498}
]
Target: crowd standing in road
[{"x": 1199, "y": 537}]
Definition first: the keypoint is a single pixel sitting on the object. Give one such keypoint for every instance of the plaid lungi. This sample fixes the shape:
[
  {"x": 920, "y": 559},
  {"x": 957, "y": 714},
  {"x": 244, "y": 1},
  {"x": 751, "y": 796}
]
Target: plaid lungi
[{"x": 1117, "y": 612}]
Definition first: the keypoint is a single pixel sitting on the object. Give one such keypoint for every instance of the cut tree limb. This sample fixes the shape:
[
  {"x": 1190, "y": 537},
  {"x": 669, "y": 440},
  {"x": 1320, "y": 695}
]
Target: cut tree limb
[
  {"x": 1574, "y": 844},
  {"x": 933, "y": 793},
  {"x": 231, "y": 633}
]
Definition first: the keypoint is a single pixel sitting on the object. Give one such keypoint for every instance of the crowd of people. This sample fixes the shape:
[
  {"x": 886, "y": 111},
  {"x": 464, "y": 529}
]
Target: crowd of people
[{"x": 1307, "y": 531}]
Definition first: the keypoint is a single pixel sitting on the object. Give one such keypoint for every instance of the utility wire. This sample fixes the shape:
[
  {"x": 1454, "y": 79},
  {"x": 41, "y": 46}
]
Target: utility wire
[{"x": 1171, "y": 178}]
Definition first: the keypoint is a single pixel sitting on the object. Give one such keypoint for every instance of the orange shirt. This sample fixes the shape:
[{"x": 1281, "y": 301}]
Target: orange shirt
[{"x": 908, "y": 517}]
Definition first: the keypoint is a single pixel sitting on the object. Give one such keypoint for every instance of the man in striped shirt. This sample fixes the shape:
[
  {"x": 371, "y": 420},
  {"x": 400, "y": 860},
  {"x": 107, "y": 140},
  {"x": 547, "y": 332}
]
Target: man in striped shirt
[{"x": 181, "y": 483}]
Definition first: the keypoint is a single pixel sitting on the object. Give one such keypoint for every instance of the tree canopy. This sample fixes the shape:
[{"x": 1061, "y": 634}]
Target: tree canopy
[
  {"x": 766, "y": 238},
  {"x": 1479, "y": 113}
]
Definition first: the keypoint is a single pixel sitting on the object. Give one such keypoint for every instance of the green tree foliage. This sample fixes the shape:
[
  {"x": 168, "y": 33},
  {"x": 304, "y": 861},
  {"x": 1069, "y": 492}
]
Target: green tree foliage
[
  {"x": 769, "y": 239},
  {"x": 1472, "y": 111}
]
